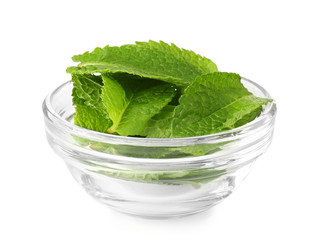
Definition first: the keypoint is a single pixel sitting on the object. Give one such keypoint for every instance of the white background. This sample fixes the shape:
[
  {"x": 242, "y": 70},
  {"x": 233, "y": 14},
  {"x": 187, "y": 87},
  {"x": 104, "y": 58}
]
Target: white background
[{"x": 279, "y": 44}]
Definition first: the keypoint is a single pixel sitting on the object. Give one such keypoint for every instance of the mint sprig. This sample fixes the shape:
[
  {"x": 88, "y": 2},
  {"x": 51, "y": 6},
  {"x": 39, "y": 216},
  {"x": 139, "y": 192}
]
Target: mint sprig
[
  {"x": 153, "y": 89},
  {"x": 156, "y": 90}
]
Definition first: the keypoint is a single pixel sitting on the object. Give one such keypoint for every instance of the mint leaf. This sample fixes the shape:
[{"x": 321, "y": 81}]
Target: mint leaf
[
  {"x": 157, "y": 60},
  {"x": 194, "y": 177},
  {"x": 177, "y": 177},
  {"x": 156, "y": 152},
  {"x": 249, "y": 117},
  {"x": 90, "y": 111},
  {"x": 88, "y": 117},
  {"x": 132, "y": 151},
  {"x": 138, "y": 81},
  {"x": 202, "y": 149},
  {"x": 160, "y": 125},
  {"x": 131, "y": 103},
  {"x": 87, "y": 90},
  {"x": 214, "y": 103}
]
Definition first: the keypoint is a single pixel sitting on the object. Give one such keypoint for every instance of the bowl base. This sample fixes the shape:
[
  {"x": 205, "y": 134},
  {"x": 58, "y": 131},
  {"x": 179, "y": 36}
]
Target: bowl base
[
  {"x": 162, "y": 216},
  {"x": 154, "y": 200},
  {"x": 158, "y": 209}
]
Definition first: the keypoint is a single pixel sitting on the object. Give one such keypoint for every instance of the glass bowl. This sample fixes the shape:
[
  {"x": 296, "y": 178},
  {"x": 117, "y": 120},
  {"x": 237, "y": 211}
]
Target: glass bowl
[{"x": 162, "y": 177}]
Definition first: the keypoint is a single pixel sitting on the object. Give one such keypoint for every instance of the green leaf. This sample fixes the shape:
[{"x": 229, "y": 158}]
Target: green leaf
[
  {"x": 160, "y": 125},
  {"x": 87, "y": 90},
  {"x": 90, "y": 111},
  {"x": 131, "y": 151},
  {"x": 157, "y": 60},
  {"x": 156, "y": 152},
  {"x": 88, "y": 117},
  {"x": 194, "y": 177},
  {"x": 178, "y": 93},
  {"x": 202, "y": 149},
  {"x": 131, "y": 103},
  {"x": 214, "y": 103}
]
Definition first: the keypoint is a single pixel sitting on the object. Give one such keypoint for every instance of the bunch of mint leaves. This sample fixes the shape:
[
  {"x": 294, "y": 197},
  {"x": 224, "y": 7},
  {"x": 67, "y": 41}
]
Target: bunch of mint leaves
[{"x": 156, "y": 90}]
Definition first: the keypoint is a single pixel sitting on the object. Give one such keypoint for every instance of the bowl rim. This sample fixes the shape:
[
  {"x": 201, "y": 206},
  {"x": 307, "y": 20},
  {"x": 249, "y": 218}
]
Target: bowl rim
[{"x": 64, "y": 124}]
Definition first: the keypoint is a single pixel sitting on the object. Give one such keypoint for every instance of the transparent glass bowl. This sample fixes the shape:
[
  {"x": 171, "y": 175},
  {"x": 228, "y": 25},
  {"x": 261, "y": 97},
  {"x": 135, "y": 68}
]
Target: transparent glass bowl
[{"x": 156, "y": 178}]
